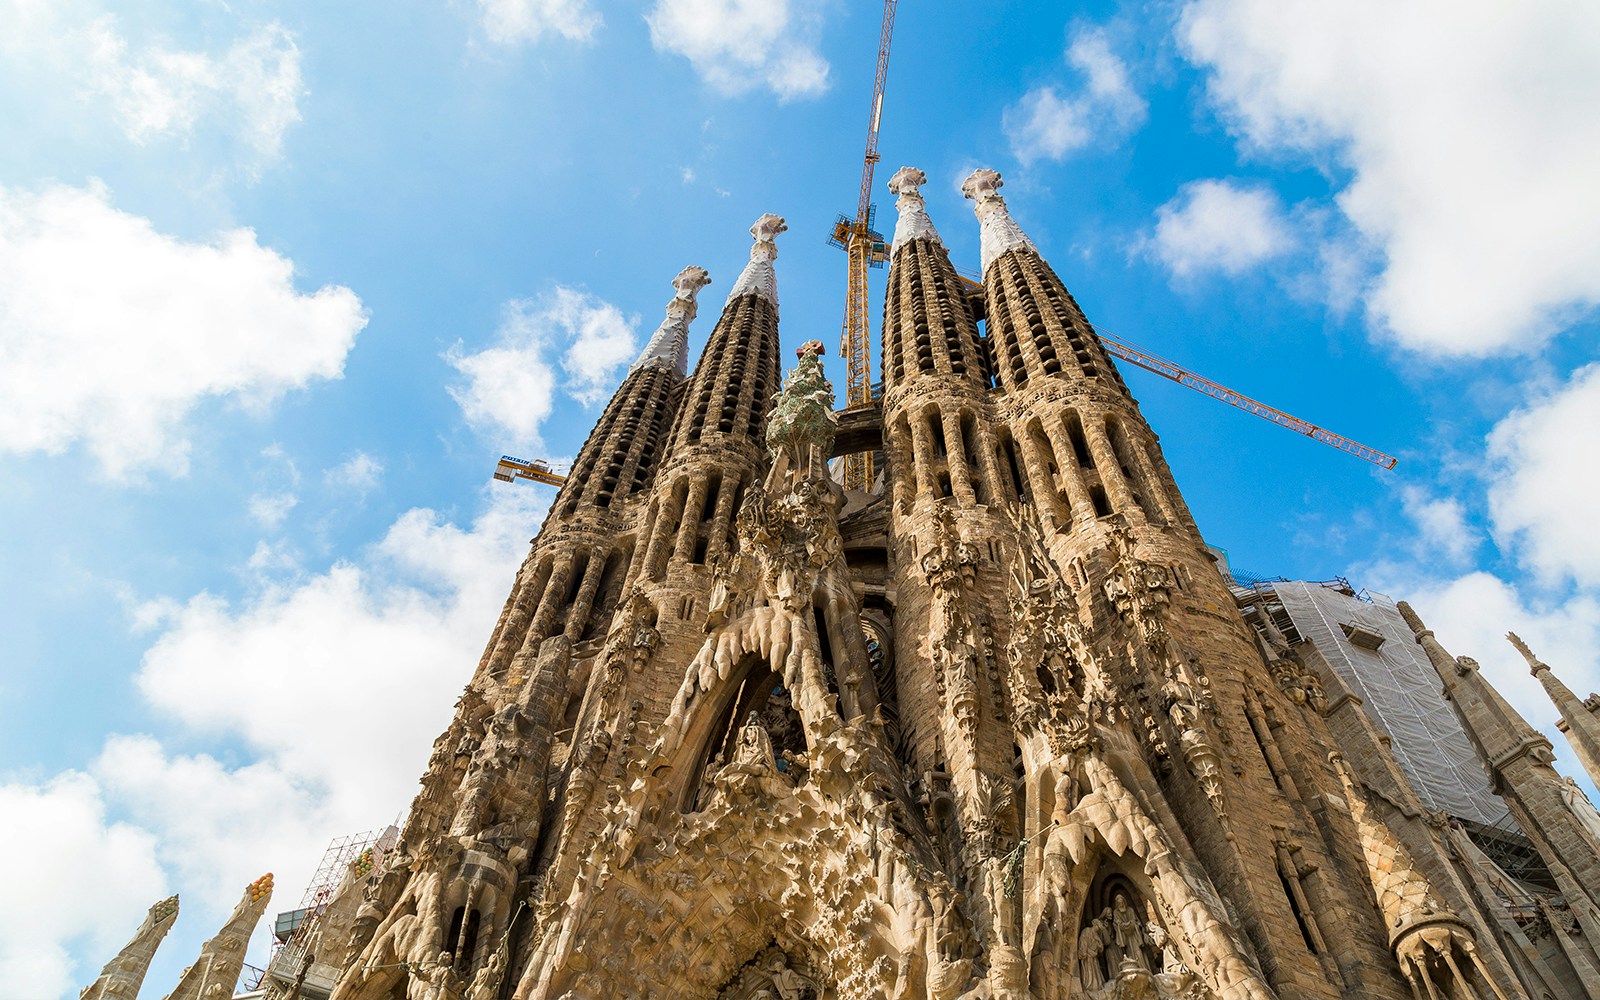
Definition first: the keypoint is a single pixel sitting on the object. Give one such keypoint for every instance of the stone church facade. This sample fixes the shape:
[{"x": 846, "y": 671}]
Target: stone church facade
[{"x": 997, "y": 728}]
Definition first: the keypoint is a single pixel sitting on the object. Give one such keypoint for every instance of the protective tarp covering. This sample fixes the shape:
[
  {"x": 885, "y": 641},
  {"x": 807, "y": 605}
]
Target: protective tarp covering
[{"x": 1400, "y": 692}]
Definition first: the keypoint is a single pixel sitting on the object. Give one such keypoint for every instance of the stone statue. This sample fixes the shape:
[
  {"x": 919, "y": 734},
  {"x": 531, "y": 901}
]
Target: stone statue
[
  {"x": 1092, "y": 941},
  {"x": 1128, "y": 928},
  {"x": 752, "y": 755},
  {"x": 789, "y": 984}
]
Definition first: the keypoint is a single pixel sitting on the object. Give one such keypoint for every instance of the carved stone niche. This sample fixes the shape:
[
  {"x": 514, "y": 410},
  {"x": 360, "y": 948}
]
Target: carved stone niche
[
  {"x": 763, "y": 695},
  {"x": 772, "y": 975},
  {"x": 1123, "y": 948}
]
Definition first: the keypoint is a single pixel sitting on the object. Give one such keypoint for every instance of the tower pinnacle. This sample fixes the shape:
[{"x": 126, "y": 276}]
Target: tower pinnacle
[
  {"x": 758, "y": 277},
  {"x": 914, "y": 223},
  {"x": 999, "y": 232},
  {"x": 669, "y": 345},
  {"x": 1580, "y": 718}
]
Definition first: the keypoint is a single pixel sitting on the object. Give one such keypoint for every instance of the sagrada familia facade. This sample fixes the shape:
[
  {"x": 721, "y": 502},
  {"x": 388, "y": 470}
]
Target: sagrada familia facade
[{"x": 998, "y": 727}]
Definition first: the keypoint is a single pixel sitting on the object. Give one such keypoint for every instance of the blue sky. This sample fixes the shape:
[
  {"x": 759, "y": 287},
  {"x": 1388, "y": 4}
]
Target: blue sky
[{"x": 279, "y": 281}]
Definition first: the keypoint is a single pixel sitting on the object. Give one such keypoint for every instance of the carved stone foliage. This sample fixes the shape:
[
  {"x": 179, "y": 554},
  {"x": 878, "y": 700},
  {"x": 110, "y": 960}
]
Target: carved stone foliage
[
  {"x": 1045, "y": 646},
  {"x": 801, "y": 426},
  {"x": 1138, "y": 590},
  {"x": 949, "y": 564}
]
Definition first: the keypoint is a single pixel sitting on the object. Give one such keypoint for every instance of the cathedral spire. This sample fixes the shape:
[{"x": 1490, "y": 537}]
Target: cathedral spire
[
  {"x": 999, "y": 232},
  {"x": 914, "y": 223},
  {"x": 1579, "y": 720},
  {"x": 1500, "y": 731},
  {"x": 669, "y": 345},
  {"x": 221, "y": 959},
  {"x": 758, "y": 276},
  {"x": 123, "y": 975}
]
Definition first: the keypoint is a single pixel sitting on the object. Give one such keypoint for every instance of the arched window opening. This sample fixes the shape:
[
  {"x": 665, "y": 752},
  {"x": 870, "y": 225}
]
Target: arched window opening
[{"x": 1080, "y": 444}]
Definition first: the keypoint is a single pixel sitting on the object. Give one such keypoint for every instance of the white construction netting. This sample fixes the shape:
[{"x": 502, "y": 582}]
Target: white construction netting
[{"x": 1401, "y": 693}]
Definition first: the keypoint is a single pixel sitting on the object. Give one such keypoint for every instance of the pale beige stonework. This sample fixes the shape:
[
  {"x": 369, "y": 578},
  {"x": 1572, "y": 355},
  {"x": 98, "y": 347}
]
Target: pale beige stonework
[{"x": 997, "y": 729}]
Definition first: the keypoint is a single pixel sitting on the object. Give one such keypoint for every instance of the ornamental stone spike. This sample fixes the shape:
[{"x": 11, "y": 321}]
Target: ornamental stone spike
[
  {"x": 669, "y": 345},
  {"x": 216, "y": 971},
  {"x": 998, "y": 232},
  {"x": 123, "y": 975},
  {"x": 758, "y": 277},
  {"x": 914, "y": 223},
  {"x": 1580, "y": 718}
]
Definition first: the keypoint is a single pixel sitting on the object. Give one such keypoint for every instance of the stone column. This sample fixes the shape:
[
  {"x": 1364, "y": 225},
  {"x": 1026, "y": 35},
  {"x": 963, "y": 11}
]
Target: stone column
[
  {"x": 1077, "y": 489},
  {"x": 723, "y": 516},
  {"x": 922, "y": 457},
  {"x": 1111, "y": 472},
  {"x": 578, "y": 614},
  {"x": 956, "y": 459},
  {"x": 689, "y": 523}
]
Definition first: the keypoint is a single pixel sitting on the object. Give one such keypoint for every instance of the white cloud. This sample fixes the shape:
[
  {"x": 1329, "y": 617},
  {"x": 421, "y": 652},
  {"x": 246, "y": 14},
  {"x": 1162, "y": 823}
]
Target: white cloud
[
  {"x": 1545, "y": 479},
  {"x": 328, "y": 692},
  {"x": 359, "y": 473},
  {"x": 94, "y": 893},
  {"x": 111, "y": 332},
  {"x": 249, "y": 92},
  {"x": 1046, "y": 126},
  {"x": 1217, "y": 225},
  {"x": 511, "y": 386},
  {"x": 1469, "y": 126},
  {"x": 1444, "y": 531},
  {"x": 738, "y": 45},
  {"x": 514, "y": 22},
  {"x": 270, "y": 509}
]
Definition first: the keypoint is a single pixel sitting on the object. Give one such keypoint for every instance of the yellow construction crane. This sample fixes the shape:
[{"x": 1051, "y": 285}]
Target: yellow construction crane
[
  {"x": 1120, "y": 348},
  {"x": 866, "y": 248},
  {"x": 510, "y": 469}
]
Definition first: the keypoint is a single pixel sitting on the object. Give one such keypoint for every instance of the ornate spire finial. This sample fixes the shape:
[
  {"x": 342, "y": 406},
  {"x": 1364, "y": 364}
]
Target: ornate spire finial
[
  {"x": 1534, "y": 664},
  {"x": 999, "y": 232},
  {"x": 914, "y": 223},
  {"x": 758, "y": 277},
  {"x": 669, "y": 345},
  {"x": 124, "y": 974}
]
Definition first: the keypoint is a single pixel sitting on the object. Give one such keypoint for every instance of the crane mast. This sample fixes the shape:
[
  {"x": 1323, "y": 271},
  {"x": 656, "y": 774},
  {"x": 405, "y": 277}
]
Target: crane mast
[{"x": 865, "y": 248}]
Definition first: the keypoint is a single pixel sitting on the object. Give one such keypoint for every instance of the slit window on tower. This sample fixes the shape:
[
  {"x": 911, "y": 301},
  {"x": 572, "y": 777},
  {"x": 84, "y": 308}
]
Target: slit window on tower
[
  {"x": 986, "y": 361},
  {"x": 1080, "y": 444},
  {"x": 1097, "y": 496},
  {"x": 969, "y": 454},
  {"x": 580, "y": 565},
  {"x": 937, "y": 427},
  {"x": 609, "y": 590},
  {"x": 1019, "y": 482}
]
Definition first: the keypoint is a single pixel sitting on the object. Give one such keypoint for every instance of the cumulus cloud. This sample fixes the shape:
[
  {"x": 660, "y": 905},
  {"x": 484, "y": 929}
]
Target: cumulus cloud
[
  {"x": 1044, "y": 125},
  {"x": 271, "y": 509},
  {"x": 510, "y": 387},
  {"x": 328, "y": 693},
  {"x": 1545, "y": 478},
  {"x": 248, "y": 92},
  {"x": 1217, "y": 225},
  {"x": 111, "y": 333},
  {"x": 1468, "y": 129},
  {"x": 360, "y": 473},
  {"x": 1444, "y": 531},
  {"x": 739, "y": 45},
  {"x": 104, "y": 876},
  {"x": 515, "y": 22}
]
